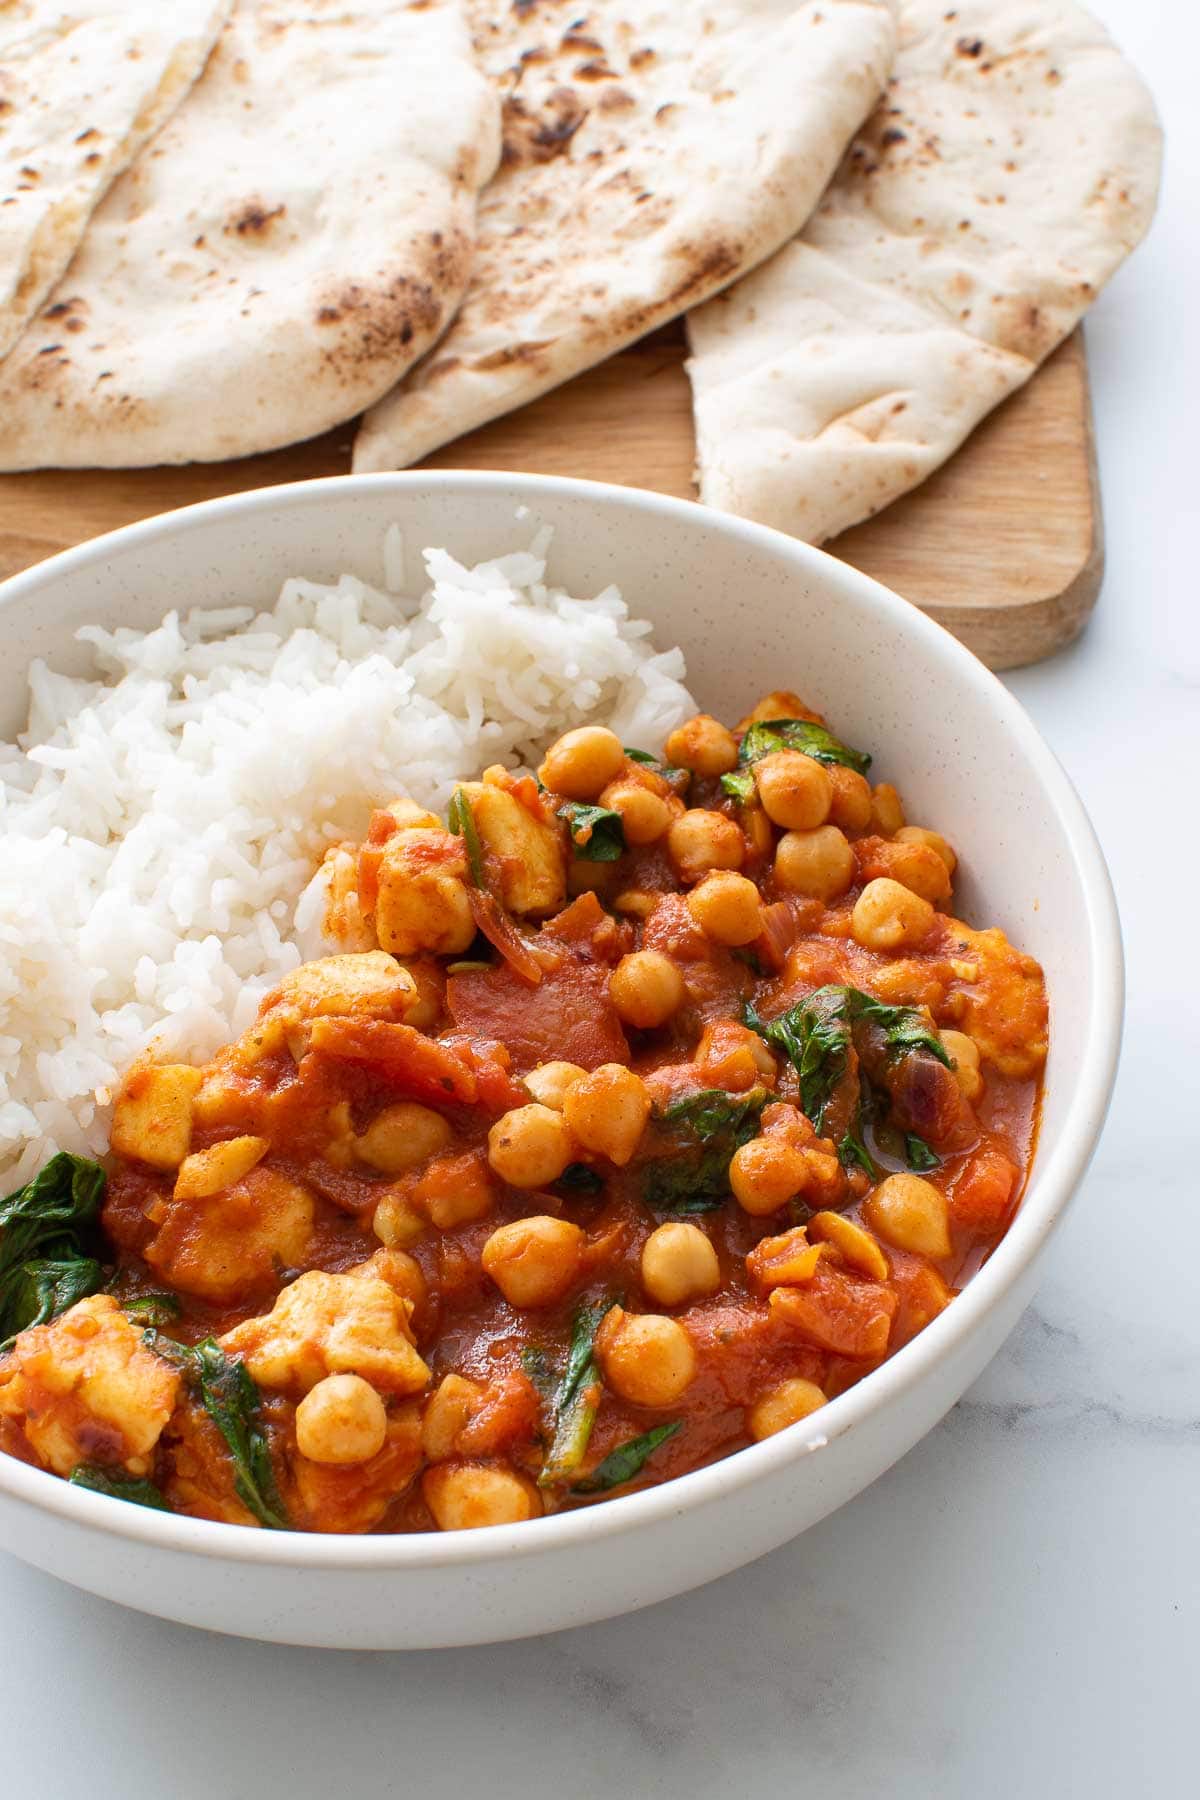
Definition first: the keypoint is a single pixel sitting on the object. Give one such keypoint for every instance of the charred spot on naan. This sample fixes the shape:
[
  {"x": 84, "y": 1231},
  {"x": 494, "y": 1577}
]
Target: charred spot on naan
[
  {"x": 41, "y": 368},
  {"x": 253, "y": 220},
  {"x": 576, "y": 37},
  {"x": 705, "y": 266},
  {"x": 68, "y": 315},
  {"x": 529, "y": 136},
  {"x": 1022, "y": 327},
  {"x": 365, "y": 319},
  {"x": 513, "y": 353}
]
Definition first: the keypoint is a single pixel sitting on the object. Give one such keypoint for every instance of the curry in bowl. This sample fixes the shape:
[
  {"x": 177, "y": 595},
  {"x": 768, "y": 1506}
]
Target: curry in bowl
[{"x": 647, "y": 1105}]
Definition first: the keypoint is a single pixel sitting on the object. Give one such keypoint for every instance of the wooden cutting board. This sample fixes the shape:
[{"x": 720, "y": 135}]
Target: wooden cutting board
[{"x": 1004, "y": 545}]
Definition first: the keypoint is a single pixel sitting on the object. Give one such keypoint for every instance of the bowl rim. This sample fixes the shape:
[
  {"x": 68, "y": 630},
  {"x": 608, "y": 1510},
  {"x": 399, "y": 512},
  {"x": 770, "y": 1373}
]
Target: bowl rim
[{"x": 1049, "y": 1189}]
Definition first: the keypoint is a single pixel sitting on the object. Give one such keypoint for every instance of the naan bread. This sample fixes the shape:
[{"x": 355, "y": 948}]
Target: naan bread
[
  {"x": 1010, "y": 168},
  {"x": 652, "y": 153},
  {"x": 83, "y": 85},
  {"x": 296, "y": 237}
]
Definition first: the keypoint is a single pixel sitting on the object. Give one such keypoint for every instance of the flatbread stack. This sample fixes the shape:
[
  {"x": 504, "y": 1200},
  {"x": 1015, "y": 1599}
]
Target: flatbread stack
[
  {"x": 878, "y": 215},
  {"x": 652, "y": 154},
  {"x": 82, "y": 87},
  {"x": 1008, "y": 171},
  {"x": 280, "y": 253}
]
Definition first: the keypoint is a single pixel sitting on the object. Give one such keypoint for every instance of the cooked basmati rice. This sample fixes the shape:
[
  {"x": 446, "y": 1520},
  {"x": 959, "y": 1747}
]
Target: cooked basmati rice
[{"x": 163, "y": 821}]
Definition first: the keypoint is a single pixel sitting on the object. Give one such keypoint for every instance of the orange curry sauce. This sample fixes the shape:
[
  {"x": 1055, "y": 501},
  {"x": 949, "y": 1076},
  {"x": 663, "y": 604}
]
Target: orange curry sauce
[{"x": 470, "y": 962}]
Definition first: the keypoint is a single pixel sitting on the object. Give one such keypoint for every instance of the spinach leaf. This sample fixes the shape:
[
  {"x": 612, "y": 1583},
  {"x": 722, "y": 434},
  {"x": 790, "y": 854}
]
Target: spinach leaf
[
  {"x": 918, "y": 1153},
  {"x": 151, "y": 1309},
  {"x": 461, "y": 821},
  {"x": 597, "y": 832},
  {"x": 230, "y": 1397},
  {"x": 46, "y": 1226},
  {"x": 580, "y": 1178},
  {"x": 679, "y": 779},
  {"x": 118, "y": 1486},
  {"x": 768, "y": 735},
  {"x": 739, "y": 786},
  {"x": 696, "y": 1178},
  {"x": 852, "y": 1149},
  {"x": 577, "y": 1400},
  {"x": 626, "y": 1461},
  {"x": 42, "y": 1288},
  {"x": 814, "y": 1035},
  {"x": 903, "y": 1027}
]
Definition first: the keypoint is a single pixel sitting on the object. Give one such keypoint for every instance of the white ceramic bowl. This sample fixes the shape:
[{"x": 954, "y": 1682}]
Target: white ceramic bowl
[{"x": 753, "y": 610}]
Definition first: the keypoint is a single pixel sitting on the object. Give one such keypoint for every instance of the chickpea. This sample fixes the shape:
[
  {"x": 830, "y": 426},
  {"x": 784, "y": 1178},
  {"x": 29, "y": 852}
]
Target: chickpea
[
  {"x": 454, "y": 1190},
  {"x": 851, "y": 807},
  {"x": 447, "y": 1410},
  {"x": 548, "y": 1083},
  {"x": 396, "y": 1221},
  {"x": 607, "y": 1112},
  {"x": 911, "y": 1214},
  {"x": 341, "y": 1420},
  {"x": 727, "y": 908},
  {"x": 932, "y": 840},
  {"x": 647, "y": 1359},
  {"x": 730, "y": 1056},
  {"x": 679, "y": 1264},
  {"x": 819, "y": 863},
  {"x": 699, "y": 841},
  {"x": 467, "y": 1496},
  {"x": 534, "y": 1261},
  {"x": 916, "y": 867},
  {"x": 795, "y": 790},
  {"x": 645, "y": 815},
  {"x": 887, "y": 916},
  {"x": 639, "y": 903},
  {"x": 887, "y": 814},
  {"x": 963, "y": 1052},
  {"x": 780, "y": 703},
  {"x": 703, "y": 745},
  {"x": 646, "y": 988},
  {"x": 401, "y": 1272},
  {"x": 402, "y": 1137},
  {"x": 782, "y": 1406},
  {"x": 757, "y": 830},
  {"x": 765, "y": 1174},
  {"x": 583, "y": 762},
  {"x": 530, "y": 1146}
]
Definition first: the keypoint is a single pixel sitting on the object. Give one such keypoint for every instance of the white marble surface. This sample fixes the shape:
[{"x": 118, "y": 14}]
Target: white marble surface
[{"x": 1015, "y": 1609}]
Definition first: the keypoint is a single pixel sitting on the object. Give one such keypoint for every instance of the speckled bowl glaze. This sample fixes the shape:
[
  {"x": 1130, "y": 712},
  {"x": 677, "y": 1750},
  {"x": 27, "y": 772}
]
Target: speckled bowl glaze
[{"x": 753, "y": 610}]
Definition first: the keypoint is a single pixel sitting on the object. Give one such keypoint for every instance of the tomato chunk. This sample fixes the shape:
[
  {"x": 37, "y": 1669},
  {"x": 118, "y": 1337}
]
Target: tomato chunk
[
  {"x": 568, "y": 1017},
  {"x": 410, "y": 1060},
  {"x": 981, "y": 1197},
  {"x": 837, "y": 1313}
]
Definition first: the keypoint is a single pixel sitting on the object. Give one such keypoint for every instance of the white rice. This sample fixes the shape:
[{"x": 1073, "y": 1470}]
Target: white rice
[{"x": 163, "y": 822}]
